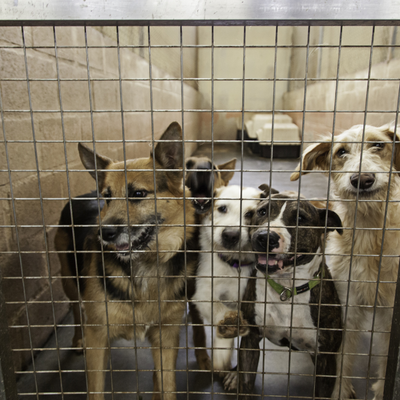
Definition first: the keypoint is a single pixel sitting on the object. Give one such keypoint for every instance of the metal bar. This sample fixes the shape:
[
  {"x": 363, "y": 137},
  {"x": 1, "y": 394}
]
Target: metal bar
[
  {"x": 202, "y": 12},
  {"x": 106, "y": 300},
  {"x": 392, "y": 380},
  {"x": 184, "y": 209},
  {"x": 153, "y": 146},
  {"x": 8, "y": 387},
  {"x": 127, "y": 212},
  {"x": 18, "y": 242},
  {"x": 49, "y": 277},
  {"x": 356, "y": 218}
]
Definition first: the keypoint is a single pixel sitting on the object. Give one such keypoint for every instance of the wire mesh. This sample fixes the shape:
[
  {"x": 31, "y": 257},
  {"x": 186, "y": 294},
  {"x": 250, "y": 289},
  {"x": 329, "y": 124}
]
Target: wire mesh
[{"x": 116, "y": 89}]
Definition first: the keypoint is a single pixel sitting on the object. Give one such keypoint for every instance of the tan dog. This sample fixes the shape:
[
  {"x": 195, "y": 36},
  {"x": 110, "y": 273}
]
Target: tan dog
[
  {"x": 363, "y": 261},
  {"x": 132, "y": 274}
]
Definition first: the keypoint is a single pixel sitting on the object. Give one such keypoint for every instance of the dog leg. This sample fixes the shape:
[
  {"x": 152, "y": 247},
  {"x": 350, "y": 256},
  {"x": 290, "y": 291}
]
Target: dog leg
[
  {"x": 71, "y": 290},
  {"x": 97, "y": 355},
  {"x": 343, "y": 386},
  {"x": 383, "y": 321},
  {"x": 379, "y": 385},
  {"x": 164, "y": 356},
  {"x": 249, "y": 355},
  {"x": 222, "y": 354},
  {"x": 70, "y": 285},
  {"x": 230, "y": 380},
  {"x": 199, "y": 338},
  {"x": 326, "y": 365}
]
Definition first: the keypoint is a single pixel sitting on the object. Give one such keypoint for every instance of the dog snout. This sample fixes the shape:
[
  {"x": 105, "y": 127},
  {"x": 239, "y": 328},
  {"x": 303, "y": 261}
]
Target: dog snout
[
  {"x": 109, "y": 233},
  {"x": 230, "y": 237},
  {"x": 264, "y": 240},
  {"x": 366, "y": 180},
  {"x": 200, "y": 182}
]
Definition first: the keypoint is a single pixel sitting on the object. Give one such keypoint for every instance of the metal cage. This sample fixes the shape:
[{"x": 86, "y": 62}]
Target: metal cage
[{"x": 70, "y": 73}]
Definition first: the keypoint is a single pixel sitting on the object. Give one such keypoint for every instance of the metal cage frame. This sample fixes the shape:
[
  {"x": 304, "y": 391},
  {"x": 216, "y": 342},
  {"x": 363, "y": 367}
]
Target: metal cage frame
[{"x": 223, "y": 13}]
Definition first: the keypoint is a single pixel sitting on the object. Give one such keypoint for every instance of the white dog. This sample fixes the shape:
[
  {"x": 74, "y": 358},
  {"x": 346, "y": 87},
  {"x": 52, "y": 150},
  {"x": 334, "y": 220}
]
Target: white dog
[
  {"x": 364, "y": 260},
  {"x": 223, "y": 270}
]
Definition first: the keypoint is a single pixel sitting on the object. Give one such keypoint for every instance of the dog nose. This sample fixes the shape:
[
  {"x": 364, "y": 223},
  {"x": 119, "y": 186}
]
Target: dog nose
[
  {"x": 267, "y": 241},
  {"x": 109, "y": 233},
  {"x": 201, "y": 200},
  {"x": 366, "y": 180},
  {"x": 231, "y": 236}
]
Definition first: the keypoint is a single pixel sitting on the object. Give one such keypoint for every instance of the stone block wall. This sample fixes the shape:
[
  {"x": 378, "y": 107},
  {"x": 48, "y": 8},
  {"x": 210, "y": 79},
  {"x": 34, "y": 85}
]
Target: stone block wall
[{"x": 37, "y": 155}]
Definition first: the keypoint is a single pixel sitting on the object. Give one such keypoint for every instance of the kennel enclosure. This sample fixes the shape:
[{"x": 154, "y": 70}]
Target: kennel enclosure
[{"x": 80, "y": 70}]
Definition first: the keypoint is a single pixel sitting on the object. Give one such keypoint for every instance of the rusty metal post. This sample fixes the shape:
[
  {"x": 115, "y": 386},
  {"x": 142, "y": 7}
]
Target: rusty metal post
[
  {"x": 392, "y": 380},
  {"x": 8, "y": 387}
]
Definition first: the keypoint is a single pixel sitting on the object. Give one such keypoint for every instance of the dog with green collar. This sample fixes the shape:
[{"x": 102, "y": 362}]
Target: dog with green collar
[{"x": 290, "y": 298}]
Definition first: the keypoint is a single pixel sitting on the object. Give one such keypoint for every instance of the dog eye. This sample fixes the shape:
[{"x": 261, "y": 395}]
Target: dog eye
[
  {"x": 261, "y": 212},
  {"x": 222, "y": 209},
  {"x": 249, "y": 214},
  {"x": 341, "y": 151},
  {"x": 138, "y": 193},
  {"x": 301, "y": 219},
  {"x": 107, "y": 194},
  {"x": 378, "y": 145}
]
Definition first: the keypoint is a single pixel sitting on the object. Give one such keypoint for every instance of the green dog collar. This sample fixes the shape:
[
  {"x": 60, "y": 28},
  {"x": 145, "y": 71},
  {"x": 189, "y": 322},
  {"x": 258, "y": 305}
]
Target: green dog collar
[{"x": 286, "y": 293}]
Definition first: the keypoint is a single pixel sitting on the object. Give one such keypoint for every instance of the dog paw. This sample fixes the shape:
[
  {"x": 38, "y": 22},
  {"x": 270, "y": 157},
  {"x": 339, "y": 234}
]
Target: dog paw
[
  {"x": 228, "y": 327},
  {"x": 230, "y": 381},
  {"x": 78, "y": 345},
  {"x": 203, "y": 360}
]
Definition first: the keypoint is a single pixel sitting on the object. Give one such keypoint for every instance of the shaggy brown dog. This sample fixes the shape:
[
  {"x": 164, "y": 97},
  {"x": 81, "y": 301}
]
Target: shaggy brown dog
[{"x": 363, "y": 167}]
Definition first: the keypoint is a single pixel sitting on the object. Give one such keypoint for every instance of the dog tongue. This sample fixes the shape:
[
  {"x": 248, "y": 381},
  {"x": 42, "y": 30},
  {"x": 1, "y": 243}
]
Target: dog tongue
[
  {"x": 262, "y": 259},
  {"x": 121, "y": 247}
]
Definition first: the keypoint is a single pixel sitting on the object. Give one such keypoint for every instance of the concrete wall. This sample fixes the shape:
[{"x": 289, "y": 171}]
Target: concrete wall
[
  {"x": 226, "y": 90},
  {"x": 47, "y": 153},
  {"x": 355, "y": 56}
]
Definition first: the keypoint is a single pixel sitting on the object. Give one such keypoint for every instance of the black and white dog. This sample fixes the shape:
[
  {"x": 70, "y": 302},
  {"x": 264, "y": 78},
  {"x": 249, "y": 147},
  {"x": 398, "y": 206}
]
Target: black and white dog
[{"x": 292, "y": 300}]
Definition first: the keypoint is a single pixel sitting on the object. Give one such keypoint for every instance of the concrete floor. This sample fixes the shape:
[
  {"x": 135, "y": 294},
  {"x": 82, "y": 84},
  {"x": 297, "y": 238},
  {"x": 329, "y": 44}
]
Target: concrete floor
[{"x": 191, "y": 383}]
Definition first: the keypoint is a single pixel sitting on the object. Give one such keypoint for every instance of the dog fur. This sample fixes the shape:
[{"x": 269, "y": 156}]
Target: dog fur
[
  {"x": 224, "y": 240},
  {"x": 202, "y": 178},
  {"x": 362, "y": 169},
  {"x": 135, "y": 259},
  {"x": 287, "y": 234}
]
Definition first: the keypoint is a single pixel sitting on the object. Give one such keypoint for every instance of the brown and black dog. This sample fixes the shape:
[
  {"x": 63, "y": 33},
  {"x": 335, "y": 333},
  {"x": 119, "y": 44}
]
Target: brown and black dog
[
  {"x": 202, "y": 178},
  {"x": 131, "y": 262}
]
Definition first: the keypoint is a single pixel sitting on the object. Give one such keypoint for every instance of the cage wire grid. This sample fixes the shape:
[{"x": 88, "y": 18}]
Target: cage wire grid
[{"x": 6, "y": 357}]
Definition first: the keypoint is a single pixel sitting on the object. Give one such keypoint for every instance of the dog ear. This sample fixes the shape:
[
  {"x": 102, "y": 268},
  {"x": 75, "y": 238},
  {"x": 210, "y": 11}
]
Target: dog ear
[
  {"x": 314, "y": 157},
  {"x": 390, "y": 131},
  {"x": 226, "y": 176},
  {"x": 169, "y": 150},
  {"x": 189, "y": 163},
  {"x": 94, "y": 168},
  {"x": 266, "y": 190},
  {"x": 333, "y": 221}
]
